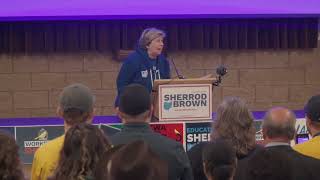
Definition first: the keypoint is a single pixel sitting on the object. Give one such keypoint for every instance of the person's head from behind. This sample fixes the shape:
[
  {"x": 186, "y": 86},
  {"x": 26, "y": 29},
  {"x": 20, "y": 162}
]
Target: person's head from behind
[
  {"x": 279, "y": 125},
  {"x": 76, "y": 104},
  {"x": 100, "y": 171},
  {"x": 219, "y": 160},
  {"x": 9, "y": 158},
  {"x": 136, "y": 161},
  {"x": 312, "y": 110},
  {"x": 83, "y": 145},
  {"x": 151, "y": 39},
  {"x": 269, "y": 165},
  {"x": 135, "y": 104},
  {"x": 235, "y": 122}
]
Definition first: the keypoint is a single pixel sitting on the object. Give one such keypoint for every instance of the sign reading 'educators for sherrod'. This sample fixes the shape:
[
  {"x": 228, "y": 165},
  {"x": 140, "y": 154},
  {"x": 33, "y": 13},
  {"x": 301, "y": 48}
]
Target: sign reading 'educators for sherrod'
[{"x": 185, "y": 102}]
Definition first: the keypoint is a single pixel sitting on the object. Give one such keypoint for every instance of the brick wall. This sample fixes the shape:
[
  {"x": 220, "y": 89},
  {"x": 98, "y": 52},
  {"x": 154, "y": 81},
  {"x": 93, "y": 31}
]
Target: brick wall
[{"x": 30, "y": 84}]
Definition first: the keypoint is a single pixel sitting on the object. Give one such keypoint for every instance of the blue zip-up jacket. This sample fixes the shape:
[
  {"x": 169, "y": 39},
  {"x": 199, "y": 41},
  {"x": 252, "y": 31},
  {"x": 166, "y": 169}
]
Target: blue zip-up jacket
[{"x": 138, "y": 68}]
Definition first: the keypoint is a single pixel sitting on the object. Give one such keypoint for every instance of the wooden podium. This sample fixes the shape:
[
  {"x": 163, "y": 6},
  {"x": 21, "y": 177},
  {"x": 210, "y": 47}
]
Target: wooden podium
[{"x": 183, "y": 99}]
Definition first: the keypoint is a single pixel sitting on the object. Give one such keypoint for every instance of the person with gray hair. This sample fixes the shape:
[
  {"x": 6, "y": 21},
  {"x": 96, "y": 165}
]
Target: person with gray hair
[
  {"x": 278, "y": 130},
  {"x": 146, "y": 63},
  {"x": 279, "y": 123}
]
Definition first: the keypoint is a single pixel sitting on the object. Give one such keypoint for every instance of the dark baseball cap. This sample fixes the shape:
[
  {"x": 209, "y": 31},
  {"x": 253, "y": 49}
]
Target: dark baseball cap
[
  {"x": 77, "y": 96},
  {"x": 312, "y": 108},
  {"x": 134, "y": 100}
]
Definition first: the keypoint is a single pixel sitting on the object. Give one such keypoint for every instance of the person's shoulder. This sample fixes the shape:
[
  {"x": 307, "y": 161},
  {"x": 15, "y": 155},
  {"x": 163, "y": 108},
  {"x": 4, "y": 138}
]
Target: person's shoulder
[
  {"x": 166, "y": 141},
  {"x": 303, "y": 146},
  {"x": 255, "y": 149},
  {"x": 309, "y": 148},
  {"x": 52, "y": 145},
  {"x": 306, "y": 161},
  {"x": 300, "y": 147},
  {"x": 119, "y": 138},
  {"x": 46, "y": 158},
  {"x": 133, "y": 57}
]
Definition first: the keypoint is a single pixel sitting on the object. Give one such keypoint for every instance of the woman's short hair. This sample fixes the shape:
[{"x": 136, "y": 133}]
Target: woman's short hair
[
  {"x": 84, "y": 144},
  {"x": 235, "y": 122},
  {"x": 149, "y": 35},
  {"x": 220, "y": 160},
  {"x": 136, "y": 161},
  {"x": 9, "y": 158}
]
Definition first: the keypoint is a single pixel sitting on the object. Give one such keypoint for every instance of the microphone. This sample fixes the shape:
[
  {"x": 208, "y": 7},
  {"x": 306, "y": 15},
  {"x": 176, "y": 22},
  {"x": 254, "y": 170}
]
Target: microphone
[
  {"x": 176, "y": 69},
  {"x": 221, "y": 71}
]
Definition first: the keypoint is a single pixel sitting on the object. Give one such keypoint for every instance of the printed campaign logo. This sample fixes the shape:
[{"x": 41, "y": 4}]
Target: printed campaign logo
[
  {"x": 167, "y": 105},
  {"x": 196, "y": 133},
  {"x": 31, "y": 146},
  {"x": 144, "y": 74},
  {"x": 30, "y": 139},
  {"x": 170, "y": 130}
]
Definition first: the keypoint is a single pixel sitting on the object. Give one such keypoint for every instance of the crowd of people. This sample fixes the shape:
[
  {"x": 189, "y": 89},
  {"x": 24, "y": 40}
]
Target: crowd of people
[{"x": 84, "y": 152}]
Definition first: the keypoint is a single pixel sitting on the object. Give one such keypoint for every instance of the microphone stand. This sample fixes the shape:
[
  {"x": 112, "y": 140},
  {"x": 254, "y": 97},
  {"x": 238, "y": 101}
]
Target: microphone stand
[
  {"x": 218, "y": 81},
  {"x": 176, "y": 69}
]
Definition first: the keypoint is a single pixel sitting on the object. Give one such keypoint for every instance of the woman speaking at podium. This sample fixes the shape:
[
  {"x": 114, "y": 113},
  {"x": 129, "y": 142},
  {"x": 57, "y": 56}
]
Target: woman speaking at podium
[{"x": 146, "y": 63}]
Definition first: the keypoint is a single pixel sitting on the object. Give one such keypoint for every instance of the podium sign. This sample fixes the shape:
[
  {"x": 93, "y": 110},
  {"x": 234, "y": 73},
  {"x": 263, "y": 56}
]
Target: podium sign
[{"x": 185, "y": 102}]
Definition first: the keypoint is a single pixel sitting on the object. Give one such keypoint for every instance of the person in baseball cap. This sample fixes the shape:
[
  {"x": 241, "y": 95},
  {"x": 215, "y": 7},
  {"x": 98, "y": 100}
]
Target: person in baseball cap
[
  {"x": 135, "y": 100},
  {"x": 312, "y": 111},
  {"x": 76, "y": 106},
  {"x": 135, "y": 110}
]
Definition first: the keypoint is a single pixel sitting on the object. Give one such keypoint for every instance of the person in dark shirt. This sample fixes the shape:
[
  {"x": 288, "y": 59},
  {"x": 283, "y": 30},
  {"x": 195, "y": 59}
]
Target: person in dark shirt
[{"x": 135, "y": 110}]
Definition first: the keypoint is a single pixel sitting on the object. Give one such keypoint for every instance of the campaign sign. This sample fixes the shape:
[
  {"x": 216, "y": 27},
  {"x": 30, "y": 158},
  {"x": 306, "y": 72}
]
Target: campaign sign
[
  {"x": 197, "y": 132},
  {"x": 29, "y": 139},
  {"x": 185, "y": 101},
  {"x": 170, "y": 130}
]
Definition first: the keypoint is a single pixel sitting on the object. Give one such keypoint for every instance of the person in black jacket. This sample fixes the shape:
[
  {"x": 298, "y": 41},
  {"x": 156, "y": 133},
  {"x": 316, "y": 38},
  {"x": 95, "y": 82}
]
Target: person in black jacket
[
  {"x": 268, "y": 165},
  {"x": 278, "y": 130},
  {"x": 135, "y": 110}
]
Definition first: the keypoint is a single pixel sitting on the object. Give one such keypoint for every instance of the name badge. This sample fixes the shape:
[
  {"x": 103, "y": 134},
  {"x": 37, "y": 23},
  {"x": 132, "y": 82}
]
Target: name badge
[{"x": 144, "y": 74}]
